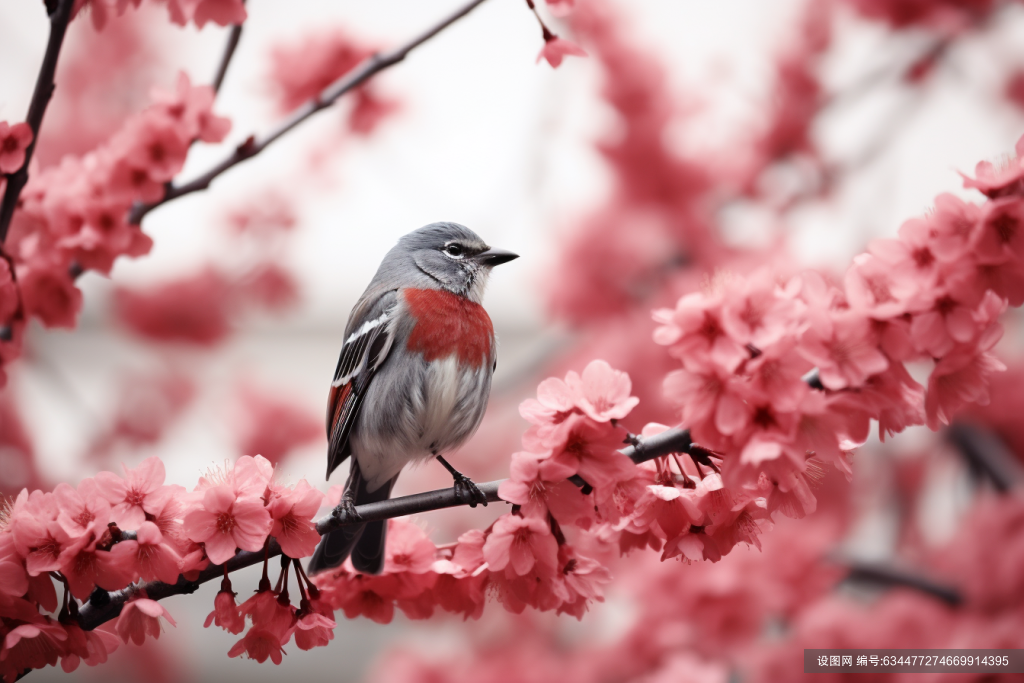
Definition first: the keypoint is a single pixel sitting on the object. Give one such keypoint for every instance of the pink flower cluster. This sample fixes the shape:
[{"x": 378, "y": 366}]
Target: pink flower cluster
[
  {"x": 181, "y": 12},
  {"x": 74, "y": 216},
  {"x": 301, "y": 71},
  {"x": 110, "y": 532},
  {"x": 934, "y": 293}
]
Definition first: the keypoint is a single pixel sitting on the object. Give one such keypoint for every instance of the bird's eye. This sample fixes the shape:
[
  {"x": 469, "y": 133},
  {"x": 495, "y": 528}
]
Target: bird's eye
[{"x": 454, "y": 250}]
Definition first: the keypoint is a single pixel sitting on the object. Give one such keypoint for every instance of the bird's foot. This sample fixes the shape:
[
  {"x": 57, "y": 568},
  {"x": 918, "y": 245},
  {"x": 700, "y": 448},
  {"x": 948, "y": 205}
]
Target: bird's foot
[
  {"x": 346, "y": 512},
  {"x": 468, "y": 492}
]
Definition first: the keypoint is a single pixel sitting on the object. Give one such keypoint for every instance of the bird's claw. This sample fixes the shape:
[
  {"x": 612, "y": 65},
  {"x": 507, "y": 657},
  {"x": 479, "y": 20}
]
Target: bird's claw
[
  {"x": 346, "y": 512},
  {"x": 469, "y": 493}
]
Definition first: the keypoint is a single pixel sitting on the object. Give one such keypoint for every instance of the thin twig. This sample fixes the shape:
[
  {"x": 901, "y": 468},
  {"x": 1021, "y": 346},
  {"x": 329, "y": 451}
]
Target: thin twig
[
  {"x": 229, "y": 52},
  {"x": 252, "y": 146},
  {"x": 60, "y": 15},
  {"x": 889, "y": 576},
  {"x": 97, "y": 612}
]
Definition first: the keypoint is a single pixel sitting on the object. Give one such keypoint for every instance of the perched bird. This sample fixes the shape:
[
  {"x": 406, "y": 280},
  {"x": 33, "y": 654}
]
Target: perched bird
[{"x": 413, "y": 378}]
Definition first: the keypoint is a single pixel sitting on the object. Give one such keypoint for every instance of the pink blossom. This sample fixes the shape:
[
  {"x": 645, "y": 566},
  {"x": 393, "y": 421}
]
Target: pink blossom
[
  {"x": 776, "y": 375},
  {"x": 313, "y": 629},
  {"x": 584, "y": 581},
  {"x": 270, "y": 612},
  {"x": 952, "y": 227},
  {"x": 259, "y": 644},
  {"x": 961, "y": 377},
  {"x": 945, "y": 323},
  {"x": 33, "y": 646},
  {"x": 694, "y": 330},
  {"x": 561, "y": 8},
  {"x": 225, "y": 522},
  {"x": 556, "y": 49},
  {"x": 669, "y": 509},
  {"x": 152, "y": 557},
  {"x": 843, "y": 349},
  {"x": 41, "y": 542},
  {"x": 14, "y": 140},
  {"x": 531, "y": 478},
  {"x": 85, "y": 566},
  {"x": 408, "y": 549},
  {"x": 126, "y": 181},
  {"x": 13, "y": 579},
  {"x": 192, "y": 106},
  {"x": 92, "y": 647},
  {"x": 592, "y": 451},
  {"x": 880, "y": 285},
  {"x": 996, "y": 181},
  {"x": 225, "y": 611},
  {"x": 140, "y": 492},
  {"x": 518, "y": 544},
  {"x": 292, "y": 513},
  {"x": 711, "y": 399},
  {"x": 140, "y": 618},
  {"x": 220, "y": 12},
  {"x": 601, "y": 392},
  {"x": 754, "y": 313},
  {"x": 48, "y": 293},
  {"x": 153, "y": 143},
  {"x": 1000, "y": 233}
]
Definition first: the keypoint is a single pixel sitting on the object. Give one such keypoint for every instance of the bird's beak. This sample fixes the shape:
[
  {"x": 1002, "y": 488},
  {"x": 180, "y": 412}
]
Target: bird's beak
[{"x": 495, "y": 257}]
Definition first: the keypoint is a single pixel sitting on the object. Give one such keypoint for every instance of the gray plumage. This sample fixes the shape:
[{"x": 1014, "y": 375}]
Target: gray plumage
[{"x": 393, "y": 403}]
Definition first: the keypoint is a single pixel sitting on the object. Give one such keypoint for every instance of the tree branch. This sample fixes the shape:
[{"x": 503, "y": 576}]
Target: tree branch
[
  {"x": 987, "y": 455},
  {"x": 888, "y": 576},
  {"x": 225, "y": 60},
  {"x": 252, "y": 146},
  {"x": 103, "y": 606},
  {"x": 60, "y": 16}
]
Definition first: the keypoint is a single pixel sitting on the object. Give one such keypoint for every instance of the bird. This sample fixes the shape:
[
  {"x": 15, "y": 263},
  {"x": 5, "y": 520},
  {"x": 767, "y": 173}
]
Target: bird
[{"x": 412, "y": 379}]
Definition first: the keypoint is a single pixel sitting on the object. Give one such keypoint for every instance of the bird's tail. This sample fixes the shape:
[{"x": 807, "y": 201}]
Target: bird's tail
[{"x": 364, "y": 542}]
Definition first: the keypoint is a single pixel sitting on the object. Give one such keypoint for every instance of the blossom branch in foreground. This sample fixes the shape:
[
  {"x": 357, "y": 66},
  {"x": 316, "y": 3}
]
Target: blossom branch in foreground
[
  {"x": 252, "y": 146},
  {"x": 103, "y": 606},
  {"x": 60, "y": 15}
]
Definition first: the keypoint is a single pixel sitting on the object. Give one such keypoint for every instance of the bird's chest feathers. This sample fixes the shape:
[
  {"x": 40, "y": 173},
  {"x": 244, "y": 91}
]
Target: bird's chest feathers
[{"x": 448, "y": 325}]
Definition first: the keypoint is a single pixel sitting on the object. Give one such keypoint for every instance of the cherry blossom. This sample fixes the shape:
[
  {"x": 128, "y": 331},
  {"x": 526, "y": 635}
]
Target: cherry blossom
[
  {"x": 556, "y": 49},
  {"x": 140, "y": 618},
  {"x": 14, "y": 140},
  {"x": 226, "y": 522},
  {"x": 140, "y": 492}
]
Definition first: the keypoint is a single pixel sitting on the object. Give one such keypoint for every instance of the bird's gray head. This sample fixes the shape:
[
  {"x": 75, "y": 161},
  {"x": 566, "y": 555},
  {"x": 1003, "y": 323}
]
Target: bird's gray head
[{"x": 452, "y": 256}]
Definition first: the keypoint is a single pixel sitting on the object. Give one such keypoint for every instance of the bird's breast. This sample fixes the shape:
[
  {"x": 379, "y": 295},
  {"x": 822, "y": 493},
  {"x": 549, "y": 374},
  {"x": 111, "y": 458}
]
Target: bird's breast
[{"x": 449, "y": 325}]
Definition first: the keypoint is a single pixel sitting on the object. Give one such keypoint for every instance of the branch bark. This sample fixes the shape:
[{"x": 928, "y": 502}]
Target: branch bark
[
  {"x": 60, "y": 16},
  {"x": 229, "y": 51},
  {"x": 252, "y": 146},
  {"x": 104, "y": 606}
]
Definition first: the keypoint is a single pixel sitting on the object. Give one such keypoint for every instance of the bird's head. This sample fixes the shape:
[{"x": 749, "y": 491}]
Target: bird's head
[{"x": 454, "y": 257}]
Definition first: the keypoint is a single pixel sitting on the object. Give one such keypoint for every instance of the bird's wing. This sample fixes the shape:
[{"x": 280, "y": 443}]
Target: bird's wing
[{"x": 369, "y": 335}]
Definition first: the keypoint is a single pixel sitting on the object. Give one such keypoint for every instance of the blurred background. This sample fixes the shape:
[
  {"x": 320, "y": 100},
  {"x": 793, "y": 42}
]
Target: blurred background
[{"x": 696, "y": 137}]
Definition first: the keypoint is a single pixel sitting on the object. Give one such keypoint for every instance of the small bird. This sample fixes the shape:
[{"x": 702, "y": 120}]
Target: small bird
[{"x": 413, "y": 378}]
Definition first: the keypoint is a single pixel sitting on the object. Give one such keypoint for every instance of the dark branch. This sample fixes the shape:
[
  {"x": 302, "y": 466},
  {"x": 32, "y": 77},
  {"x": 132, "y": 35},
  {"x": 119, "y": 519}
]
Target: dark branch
[
  {"x": 252, "y": 146},
  {"x": 229, "y": 52},
  {"x": 987, "y": 455},
  {"x": 890, "y": 577},
  {"x": 103, "y": 606},
  {"x": 60, "y": 15}
]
